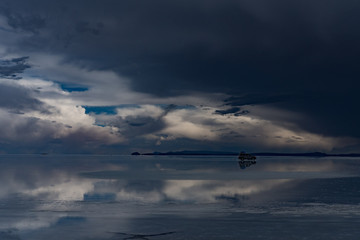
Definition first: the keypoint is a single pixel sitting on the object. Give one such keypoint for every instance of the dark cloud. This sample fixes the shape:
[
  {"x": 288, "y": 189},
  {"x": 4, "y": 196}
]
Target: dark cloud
[
  {"x": 295, "y": 55},
  {"x": 255, "y": 99},
  {"x": 169, "y": 108},
  {"x": 34, "y": 135},
  {"x": 30, "y": 23},
  {"x": 227, "y": 111},
  {"x": 86, "y": 27},
  {"x": 27, "y": 130},
  {"x": 137, "y": 126},
  {"x": 9, "y": 68},
  {"x": 18, "y": 100},
  {"x": 80, "y": 140},
  {"x": 329, "y": 114}
]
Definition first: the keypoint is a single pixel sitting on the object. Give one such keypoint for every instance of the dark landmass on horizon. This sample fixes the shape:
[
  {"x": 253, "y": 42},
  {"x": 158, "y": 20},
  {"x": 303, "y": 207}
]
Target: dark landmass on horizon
[{"x": 219, "y": 153}]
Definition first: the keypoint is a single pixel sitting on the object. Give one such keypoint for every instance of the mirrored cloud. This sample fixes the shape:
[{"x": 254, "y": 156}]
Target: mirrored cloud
[{"x": 86, "y": 196}]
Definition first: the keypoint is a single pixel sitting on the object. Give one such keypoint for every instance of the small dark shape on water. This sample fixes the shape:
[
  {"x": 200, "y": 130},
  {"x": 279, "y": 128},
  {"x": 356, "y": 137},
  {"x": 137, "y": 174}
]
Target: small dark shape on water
[
  {"x": 140, "y": 236},
  {"x": 135, "y": 153},
  {"x": 246, "y": 156},
  {"x": 246, "y": 163}
]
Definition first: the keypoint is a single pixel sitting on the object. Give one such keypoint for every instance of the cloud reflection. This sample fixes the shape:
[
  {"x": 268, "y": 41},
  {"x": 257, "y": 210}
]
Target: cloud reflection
[{"x": 43, "y": 197}]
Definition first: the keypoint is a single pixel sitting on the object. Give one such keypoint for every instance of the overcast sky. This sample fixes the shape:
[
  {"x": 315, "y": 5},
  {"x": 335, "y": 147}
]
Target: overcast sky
[{"x": 111, "y": 76}]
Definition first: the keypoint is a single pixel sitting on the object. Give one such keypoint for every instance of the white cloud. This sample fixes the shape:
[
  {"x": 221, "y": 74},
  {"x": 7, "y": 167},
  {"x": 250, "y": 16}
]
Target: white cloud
[
  {"x": 259, "y": 129},
  {"x": 188, "y": 124},
  {"x": 67, "y": 123},
  {"x": 143, "y": 110},
  {"x": 105, "y": 86},
  {"x": 202, "y": 124}
]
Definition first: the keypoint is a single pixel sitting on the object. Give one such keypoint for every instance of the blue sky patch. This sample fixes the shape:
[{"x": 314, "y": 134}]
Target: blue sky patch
[
  {"x": 109, "y": 110},
  {"x": 73, "y": 87}
]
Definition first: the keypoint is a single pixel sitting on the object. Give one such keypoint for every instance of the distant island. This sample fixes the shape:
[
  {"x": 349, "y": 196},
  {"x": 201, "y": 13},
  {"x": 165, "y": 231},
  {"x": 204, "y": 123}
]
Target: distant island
[{"x": 220, "y": 153}]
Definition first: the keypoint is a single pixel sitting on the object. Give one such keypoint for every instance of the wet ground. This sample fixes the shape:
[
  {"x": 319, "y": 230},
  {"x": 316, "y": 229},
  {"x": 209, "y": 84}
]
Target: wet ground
[{"x": 172, "y": 197}]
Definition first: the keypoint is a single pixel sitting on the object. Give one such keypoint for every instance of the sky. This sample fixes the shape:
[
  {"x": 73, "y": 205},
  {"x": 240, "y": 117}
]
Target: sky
[{"x": 109, "y": 77}]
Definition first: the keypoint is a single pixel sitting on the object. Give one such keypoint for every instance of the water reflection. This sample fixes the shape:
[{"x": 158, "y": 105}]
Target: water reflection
[
  {"x": 141, "y": 236},
  {"x": 117, "y": 197},
  {"x": 246, "y": 164}
]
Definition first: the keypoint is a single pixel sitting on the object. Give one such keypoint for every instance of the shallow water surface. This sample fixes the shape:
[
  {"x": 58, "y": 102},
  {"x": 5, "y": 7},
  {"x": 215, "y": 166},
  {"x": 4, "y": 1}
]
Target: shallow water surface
[{"x": 174, "y": 197}]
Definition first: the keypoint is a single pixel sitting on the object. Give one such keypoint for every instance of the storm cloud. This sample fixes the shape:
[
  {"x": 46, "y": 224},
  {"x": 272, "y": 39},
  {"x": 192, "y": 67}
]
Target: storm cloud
[
  {"x": 9, "y": 68},
  {"x": 297, "y": 58},
  {"x": 18, "y": 100}
]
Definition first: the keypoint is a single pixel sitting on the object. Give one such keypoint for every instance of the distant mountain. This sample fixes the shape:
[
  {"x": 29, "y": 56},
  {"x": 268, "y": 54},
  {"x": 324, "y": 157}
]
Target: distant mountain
[
  {"x": 194, "y": 153},
  {"x": 312, "y": 154},
  {"x": 220, "y": 153}
]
